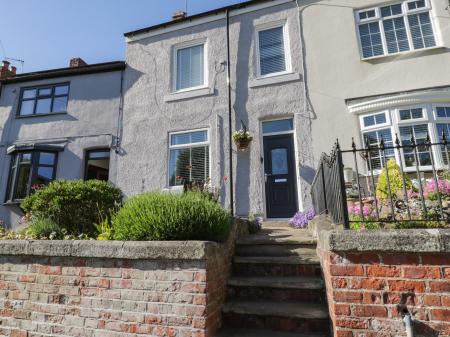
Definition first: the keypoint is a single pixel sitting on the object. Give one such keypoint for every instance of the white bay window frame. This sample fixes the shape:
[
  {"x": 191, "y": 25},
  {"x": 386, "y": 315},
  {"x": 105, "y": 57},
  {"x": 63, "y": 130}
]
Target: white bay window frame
[
  {"x": 394, "y": 123},
  {"x": 184, "y": 45},
  {"x": 405, "y": 13},
  {"x": 287, "y": 49}
]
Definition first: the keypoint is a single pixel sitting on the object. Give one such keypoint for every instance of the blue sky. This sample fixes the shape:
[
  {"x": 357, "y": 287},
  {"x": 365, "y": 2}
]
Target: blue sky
[{"x": 47, "y": 33}]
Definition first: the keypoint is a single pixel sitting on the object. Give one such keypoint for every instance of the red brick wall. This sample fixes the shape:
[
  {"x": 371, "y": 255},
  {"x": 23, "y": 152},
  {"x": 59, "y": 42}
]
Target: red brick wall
[
  {"x": 367, "y": 293},
  {"x": 101, "y": 297}
]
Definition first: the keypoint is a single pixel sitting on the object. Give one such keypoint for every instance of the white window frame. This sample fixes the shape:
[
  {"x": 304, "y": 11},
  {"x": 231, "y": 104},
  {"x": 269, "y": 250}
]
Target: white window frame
[
  {"x": 393, "y": 122},
  {"x": 187, "y": 146},
  {"x": 440, "y": 119},
  {"x": 184, "y": 45},
  {"x": 425, "y": 115},
  {"x": 376, "y": 126},
  {"x": 405, "y": 12},
  {"x": 287, "y": 48}
]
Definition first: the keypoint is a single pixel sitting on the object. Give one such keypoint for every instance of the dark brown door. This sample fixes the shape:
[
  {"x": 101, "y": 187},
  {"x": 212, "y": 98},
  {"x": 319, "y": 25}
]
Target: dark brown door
[{"x": 280, "y": 177}]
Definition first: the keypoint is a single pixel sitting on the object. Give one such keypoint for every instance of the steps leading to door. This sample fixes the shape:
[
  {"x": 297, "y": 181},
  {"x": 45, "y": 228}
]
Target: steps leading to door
[{"x": 276, "y": 288}]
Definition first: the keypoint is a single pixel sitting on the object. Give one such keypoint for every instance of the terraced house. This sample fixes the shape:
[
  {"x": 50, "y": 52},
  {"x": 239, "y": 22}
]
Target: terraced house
[{"x": 302, "y": 73}]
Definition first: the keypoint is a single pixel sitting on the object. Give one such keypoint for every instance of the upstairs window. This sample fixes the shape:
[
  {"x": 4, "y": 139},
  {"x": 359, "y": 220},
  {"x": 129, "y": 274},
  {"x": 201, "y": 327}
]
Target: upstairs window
[
  {"x": 189, "y": 157},
  {"x": 44, "y": 100},
  {"x": 29, "y": 170},
  {"x": 190, "y": 67},
  {"x": 273, "y": 56},
  {"x": 395, "y": 28}
]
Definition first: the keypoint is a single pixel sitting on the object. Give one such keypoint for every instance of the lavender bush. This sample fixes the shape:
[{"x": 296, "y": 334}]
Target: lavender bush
[{"x": 301, "y": 219}]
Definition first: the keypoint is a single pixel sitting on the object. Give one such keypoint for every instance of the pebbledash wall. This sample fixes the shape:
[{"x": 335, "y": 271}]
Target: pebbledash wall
[
  {"x": 114, "y": 289},
  {"x": 374, "y": 277}
]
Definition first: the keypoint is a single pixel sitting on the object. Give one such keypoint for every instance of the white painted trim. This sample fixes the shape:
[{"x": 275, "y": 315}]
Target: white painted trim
[
  {"x": 287, "y": 49},
  {"x": 204, "y": 20},
  {"x": 185, "y": 45},
  {"x": 376, "y": 104},
  {"x": 187, "y": 94},
  {"x": 274, "y": 79}
]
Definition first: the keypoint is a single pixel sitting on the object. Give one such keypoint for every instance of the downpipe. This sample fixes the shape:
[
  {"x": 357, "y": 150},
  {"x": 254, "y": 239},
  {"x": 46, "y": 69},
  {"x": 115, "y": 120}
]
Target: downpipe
[{"x": 408, "y": 322}]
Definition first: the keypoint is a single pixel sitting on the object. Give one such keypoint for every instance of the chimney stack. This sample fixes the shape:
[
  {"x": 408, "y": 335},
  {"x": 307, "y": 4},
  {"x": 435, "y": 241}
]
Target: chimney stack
[
  {"x": 6, "y": 70},
  {"x": 178, "y": 15},
  {"x": 77, "y": 62}
]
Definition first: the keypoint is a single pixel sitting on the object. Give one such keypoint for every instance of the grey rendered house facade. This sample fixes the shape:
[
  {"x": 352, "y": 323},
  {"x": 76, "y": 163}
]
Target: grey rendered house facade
[
  {"x": 56, "y": 124},
  {"x": 176, "y": 108}
]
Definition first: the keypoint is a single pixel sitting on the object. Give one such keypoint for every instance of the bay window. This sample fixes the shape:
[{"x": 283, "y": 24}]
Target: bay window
[
  {"x": 418, "y": 122},
  {"x": 28, "y": 171}
]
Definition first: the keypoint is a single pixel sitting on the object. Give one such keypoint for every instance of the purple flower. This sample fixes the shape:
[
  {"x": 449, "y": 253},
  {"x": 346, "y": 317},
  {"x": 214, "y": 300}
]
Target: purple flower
[
  {"x": 356, "y": 210},
  {"x": 301, "y": 219}
]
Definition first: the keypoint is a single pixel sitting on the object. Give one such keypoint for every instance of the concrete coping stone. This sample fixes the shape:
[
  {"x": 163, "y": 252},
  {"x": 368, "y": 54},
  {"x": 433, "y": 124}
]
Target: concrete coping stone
[
  {"x": 398, "y": 241},
  {"x": 133, "y": 250}
]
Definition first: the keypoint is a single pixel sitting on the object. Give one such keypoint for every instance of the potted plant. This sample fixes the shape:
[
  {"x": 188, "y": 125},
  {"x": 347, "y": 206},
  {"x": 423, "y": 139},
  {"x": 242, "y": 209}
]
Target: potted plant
[{"x": 242, "y": 138}]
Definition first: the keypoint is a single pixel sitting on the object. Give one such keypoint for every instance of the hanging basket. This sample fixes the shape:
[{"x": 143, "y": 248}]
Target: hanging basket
[{"x": 243, "y": 144}]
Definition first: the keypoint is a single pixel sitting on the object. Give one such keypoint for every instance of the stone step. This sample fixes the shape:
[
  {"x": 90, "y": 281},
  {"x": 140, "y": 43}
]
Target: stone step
[
  {"x": 310, "y": 289},
  {"x": 273, "y": 250},
  {"x": 302, "y": 317},
  {"x": 228, "y": 332},
  {"x": 295, "y": 282},
  {"x": 279, "y": 237},
  {"x": 309, "y": 257},
  {"x": 244, "y": 266}
]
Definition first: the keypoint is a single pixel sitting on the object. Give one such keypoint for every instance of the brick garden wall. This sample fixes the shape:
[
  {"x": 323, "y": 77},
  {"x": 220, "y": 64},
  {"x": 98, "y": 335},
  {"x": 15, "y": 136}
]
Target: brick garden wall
[
  {"x": 369, "y": 290},
  {"x": 120, "y": 290}
]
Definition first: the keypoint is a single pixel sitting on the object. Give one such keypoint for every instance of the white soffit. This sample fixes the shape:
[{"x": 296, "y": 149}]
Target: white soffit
[
  {"x": 206, "y": 19},
  {"x": 419, "y": 97}
]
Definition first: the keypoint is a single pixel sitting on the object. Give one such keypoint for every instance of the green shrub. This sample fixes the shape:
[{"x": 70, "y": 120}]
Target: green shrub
[
  {"x": 45, "y": 229},
  {"x": 162, "y": 216},
  {"x": 395, "y": 180},
  {"x": 76, "y": 205}
]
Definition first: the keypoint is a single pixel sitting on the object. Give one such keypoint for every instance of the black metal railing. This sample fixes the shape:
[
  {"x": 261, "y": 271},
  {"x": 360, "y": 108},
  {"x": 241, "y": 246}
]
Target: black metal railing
[{"x": 386, "y": 181}]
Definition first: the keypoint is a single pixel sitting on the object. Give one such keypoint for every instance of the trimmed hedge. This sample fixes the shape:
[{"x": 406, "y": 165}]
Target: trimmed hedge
[
  {"x": 75, "y": 205},
  {"x": 162, "y": 216}
]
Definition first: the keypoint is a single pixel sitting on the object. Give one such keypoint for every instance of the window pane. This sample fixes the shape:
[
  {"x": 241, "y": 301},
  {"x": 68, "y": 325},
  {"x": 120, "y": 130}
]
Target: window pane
[
  {"x": 25, "y": 158},
  {"x": 419, "y": 132},
  {"x": 43, "y": 106},
  {"x": 190, "y": 67},
  {"x": 189, "y": 138},
  {"x": 45, "y": 175},
  {"x": 22, "y": 182},
  {"x": 179, "y": 166},
  {"x": 200, "y": 164},
  {"x": 376, "y": 154},
  {"x": 62, "y": 90},
  {"x": 445, "y": 150},
  {"x": 29, "y": 93},
  {"x": 396, "y": 37},
  {"x": 370, "y": 38},
  {"x": 99, "y": 154},
  {"x": 47, "y": 158},
  {"x": 278, "y": 126},
  {"x": 45, "y": 92},
  {"x": 279, "y": 160},
  {"x": 271, "y": 51},
  {"x": 421, "y": 30},
  {"x": 60, "y": 104},
  {"x": 26, "y": 108},
  {"x": 443, "y": 112}
]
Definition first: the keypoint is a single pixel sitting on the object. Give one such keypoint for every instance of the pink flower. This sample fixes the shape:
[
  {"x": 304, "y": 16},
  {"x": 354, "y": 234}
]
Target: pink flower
[{"x": 356, "y": 210}]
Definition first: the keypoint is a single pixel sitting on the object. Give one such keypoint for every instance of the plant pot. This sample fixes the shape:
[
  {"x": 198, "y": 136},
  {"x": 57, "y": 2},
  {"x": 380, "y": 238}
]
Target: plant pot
[{"x": 243, "y": 144}]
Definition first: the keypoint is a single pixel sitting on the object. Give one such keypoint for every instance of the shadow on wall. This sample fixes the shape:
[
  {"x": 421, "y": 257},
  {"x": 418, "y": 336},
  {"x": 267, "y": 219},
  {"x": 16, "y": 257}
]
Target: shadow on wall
[{"x": 241, "y": 116}]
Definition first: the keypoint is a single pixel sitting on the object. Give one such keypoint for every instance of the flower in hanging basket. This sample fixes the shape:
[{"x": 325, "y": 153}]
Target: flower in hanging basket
[{"x": 242, "y": 138}]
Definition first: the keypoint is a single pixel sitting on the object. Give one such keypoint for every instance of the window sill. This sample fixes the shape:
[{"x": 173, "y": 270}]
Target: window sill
[
  {"x": 178, "y": 96},
  {"x": 12, "y": 203},
  {"x": 42, "y": 115},
  {"x": 276, "y": 79},
  {"x": 405, "y": 53}
]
